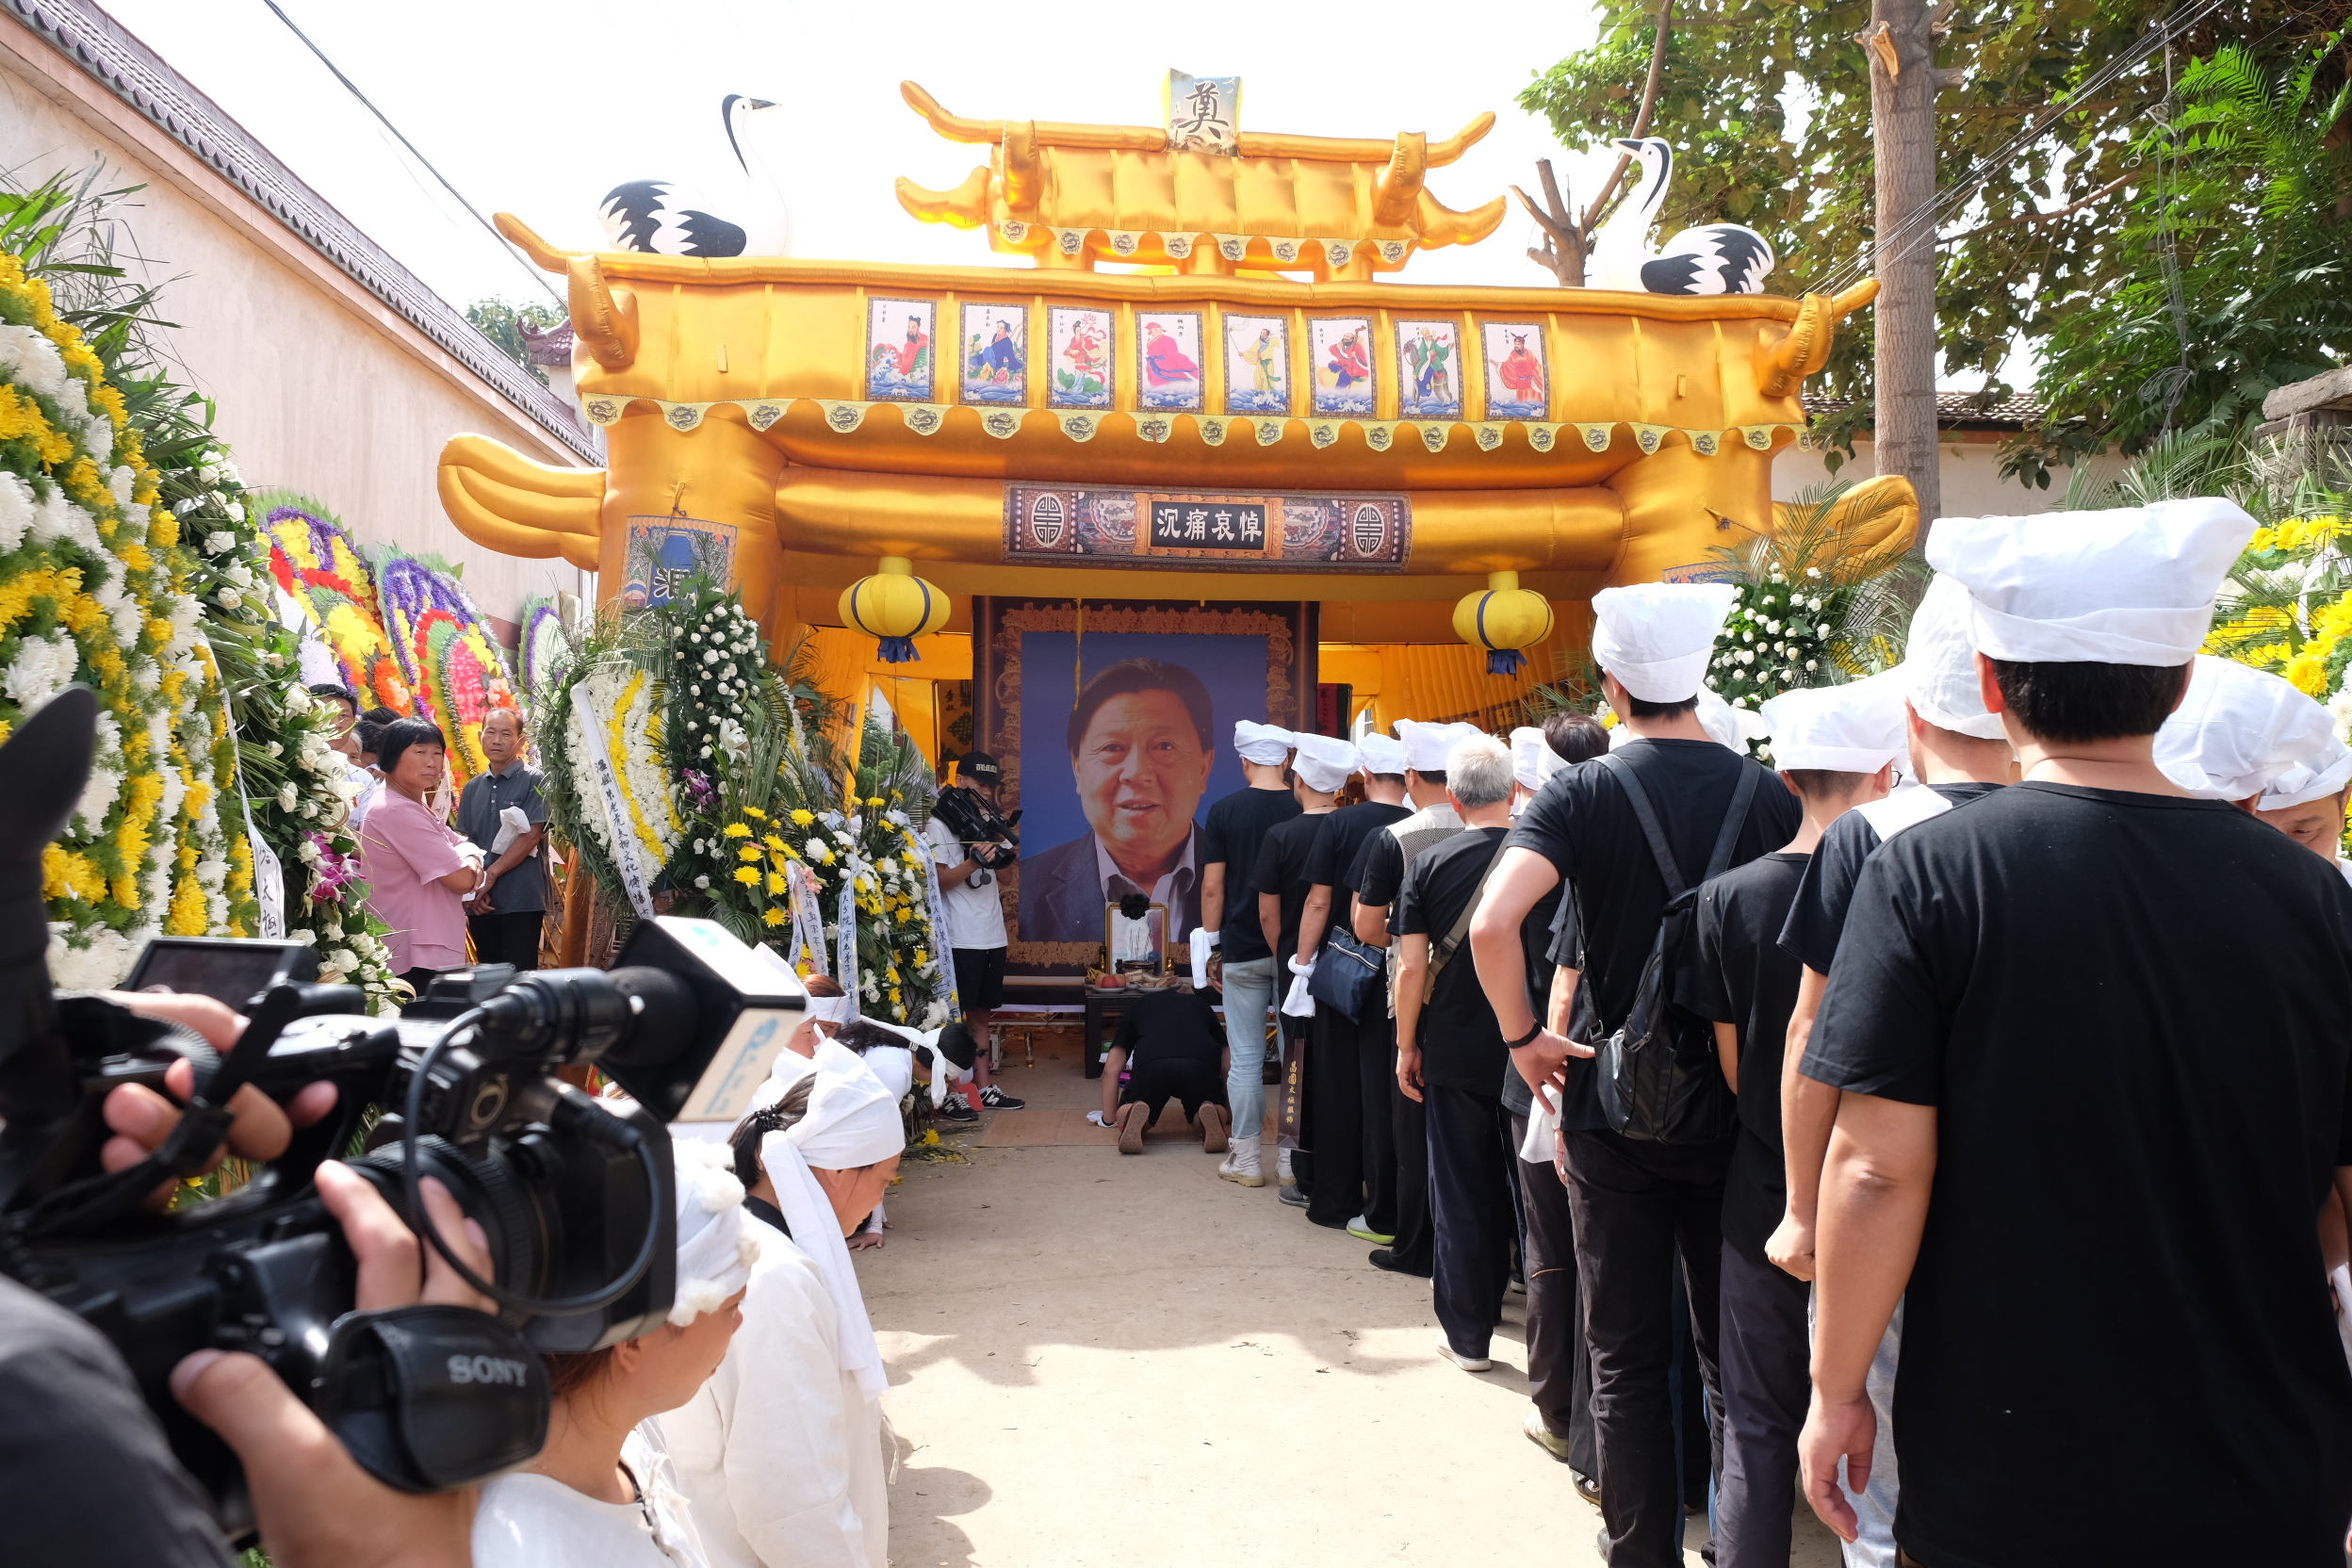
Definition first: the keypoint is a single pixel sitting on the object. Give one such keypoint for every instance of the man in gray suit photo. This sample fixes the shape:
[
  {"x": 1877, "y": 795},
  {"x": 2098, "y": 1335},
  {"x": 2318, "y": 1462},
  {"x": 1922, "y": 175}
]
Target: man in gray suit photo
[{"x": 1141, "y": 745}]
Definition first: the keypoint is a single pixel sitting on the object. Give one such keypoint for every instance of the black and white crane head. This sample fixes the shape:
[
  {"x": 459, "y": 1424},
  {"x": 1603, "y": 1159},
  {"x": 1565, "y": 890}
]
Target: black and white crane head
[
  {"x": 667, "y": 218},
  {"x": 1711, "y": 258}
]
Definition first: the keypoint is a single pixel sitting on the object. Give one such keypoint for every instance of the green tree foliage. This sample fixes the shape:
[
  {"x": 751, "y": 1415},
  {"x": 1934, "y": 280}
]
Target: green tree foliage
[
  {"x": 502, "y": 320},
  {"x": 2249, "y": 187},
  {"x": 2009, "y": 274}
]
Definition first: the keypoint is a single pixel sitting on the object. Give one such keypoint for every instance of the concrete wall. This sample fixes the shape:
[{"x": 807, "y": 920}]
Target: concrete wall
[
  {"x": 323, "y": 388},
  {"x": 1974, "y": 485}
]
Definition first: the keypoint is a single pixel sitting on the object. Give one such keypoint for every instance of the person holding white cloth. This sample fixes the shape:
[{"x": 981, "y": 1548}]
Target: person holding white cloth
[{"x": 783, "y": 1452}]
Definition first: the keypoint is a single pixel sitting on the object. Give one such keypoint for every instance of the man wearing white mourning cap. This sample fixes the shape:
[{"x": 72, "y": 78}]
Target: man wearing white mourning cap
[
  {"x": 1835, "y": 748},
  {"x": 1230, "y": 837},
  {"x": 2059, "y": 990},
  {"x": 1319, "y": 767},
  {"x": 1380, "y": 875},
  {"x": 1653, "y": 643},
  {"x": 1350, "y": 1086},
  {"x": 2307, "y": 801},
  {"x": 1958, "y": 754}
]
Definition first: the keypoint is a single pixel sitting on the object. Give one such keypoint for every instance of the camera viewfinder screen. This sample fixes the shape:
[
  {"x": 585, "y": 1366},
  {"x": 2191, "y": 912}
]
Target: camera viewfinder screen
[{"x": 229, "y": 972}]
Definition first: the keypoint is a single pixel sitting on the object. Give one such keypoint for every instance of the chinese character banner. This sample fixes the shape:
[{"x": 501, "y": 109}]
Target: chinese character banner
[{"x": 1222, "y": 532}]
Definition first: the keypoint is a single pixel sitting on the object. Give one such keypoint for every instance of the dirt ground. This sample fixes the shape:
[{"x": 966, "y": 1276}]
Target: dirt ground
[{"x": 1099, "y": 1359}]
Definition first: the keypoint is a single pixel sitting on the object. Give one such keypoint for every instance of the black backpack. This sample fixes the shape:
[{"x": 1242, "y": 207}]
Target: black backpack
[{"x": 1660, "y": 1078}]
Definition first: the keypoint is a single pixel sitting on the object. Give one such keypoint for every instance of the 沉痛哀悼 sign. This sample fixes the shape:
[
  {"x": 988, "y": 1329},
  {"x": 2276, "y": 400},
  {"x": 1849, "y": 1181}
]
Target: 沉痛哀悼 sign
[{"x": 1288, "y": 531}]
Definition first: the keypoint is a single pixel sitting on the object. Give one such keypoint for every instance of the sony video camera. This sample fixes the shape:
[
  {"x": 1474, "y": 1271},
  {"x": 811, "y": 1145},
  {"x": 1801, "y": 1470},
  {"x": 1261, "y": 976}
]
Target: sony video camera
[
  {"x": 993, "y": 837},
  {"x": 575, "y": 1194}
]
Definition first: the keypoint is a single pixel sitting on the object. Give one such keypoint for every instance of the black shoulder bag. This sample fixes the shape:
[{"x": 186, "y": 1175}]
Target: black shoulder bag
[{"x": 1660, "y": 1079}]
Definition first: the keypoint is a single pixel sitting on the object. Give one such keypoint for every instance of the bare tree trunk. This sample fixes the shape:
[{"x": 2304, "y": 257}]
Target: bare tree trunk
[{"x": 1902, "y": 114}]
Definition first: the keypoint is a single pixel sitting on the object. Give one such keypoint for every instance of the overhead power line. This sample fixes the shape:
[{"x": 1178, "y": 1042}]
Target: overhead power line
[{"x": 353, "y": 88}]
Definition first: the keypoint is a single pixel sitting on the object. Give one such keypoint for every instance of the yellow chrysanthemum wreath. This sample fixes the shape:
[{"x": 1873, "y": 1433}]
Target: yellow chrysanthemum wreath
[{"x": 92, "y": 591}]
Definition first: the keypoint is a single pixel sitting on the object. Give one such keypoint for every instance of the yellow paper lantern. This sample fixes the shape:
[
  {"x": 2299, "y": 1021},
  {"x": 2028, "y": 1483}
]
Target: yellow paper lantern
[
  {"x": 1503, "y": 620},
  {"x": 896, "y": 606}
]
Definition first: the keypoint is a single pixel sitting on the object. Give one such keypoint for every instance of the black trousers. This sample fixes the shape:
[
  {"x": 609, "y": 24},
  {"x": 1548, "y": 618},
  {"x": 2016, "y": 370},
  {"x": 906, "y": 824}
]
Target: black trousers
[
  {"x": 1154, "y": 1081},
  {"x": 1334, "y": 1118},
  {"x": 1415, "y": 1247},
  {"x": 1374, "y": 1053},
  {"x": 1470, "y": 1214},
  {"x": 1638, "y": 1207},
  {"x": 1767, "y": 1385},
  {"x": 1559, "y": 1363},
  {"x": 507, "y": 937}
]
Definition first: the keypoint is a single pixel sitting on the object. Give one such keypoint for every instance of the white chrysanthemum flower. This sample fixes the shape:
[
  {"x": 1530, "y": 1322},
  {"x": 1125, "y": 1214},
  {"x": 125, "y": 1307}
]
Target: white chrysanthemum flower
[{"x": 43, "y": 666}]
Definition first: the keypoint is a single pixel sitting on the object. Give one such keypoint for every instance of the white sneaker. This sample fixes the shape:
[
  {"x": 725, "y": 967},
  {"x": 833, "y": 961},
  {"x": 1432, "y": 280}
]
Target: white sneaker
[
  {"x": 1468, "y": 1363},
  {"x": 1241, "y": 1163}
]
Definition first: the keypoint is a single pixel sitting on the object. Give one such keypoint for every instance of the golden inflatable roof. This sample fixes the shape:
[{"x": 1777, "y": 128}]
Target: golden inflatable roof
[{"x": 1071, "y": 195}]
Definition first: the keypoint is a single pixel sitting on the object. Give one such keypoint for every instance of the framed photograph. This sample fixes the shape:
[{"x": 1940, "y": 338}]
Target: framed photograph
[
  {"x": 1115, "y": 731},
  {"x": 1168, "y": 361},
  {"x": 1518, "y": 380},
  {"x": 1341, "y": 350},
  {"x": 995, "y": 354},
  {"x": 1078, "y": 343},
  {"x": 1257, "y": 364},
  {"x": 1428, "y": 371},
  {"x": 900, "y": 364}
]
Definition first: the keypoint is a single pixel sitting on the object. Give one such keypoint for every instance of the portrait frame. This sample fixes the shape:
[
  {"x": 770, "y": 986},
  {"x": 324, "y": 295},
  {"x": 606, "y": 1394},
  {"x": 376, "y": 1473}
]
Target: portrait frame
[
  {"x": 1500, "y": 344},
  {"x": 1184, "y": 328},
  {"x": 1001, "y": 627},
  {"x": 982, "y": 376},
  {"x": 1412, "y": 369},
  {"x": 1070, "y": 384},
  {"x": 895, "y": 381},
  {"x": 1341, "y": 357},
  {"x": 1238, "y": 336}
]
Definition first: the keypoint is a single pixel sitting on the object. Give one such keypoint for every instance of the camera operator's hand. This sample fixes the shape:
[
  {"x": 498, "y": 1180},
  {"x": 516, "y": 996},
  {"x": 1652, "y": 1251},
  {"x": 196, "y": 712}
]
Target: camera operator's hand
[
  {"x": 140, "y": 1119},
  {"x": 316, "y": 1506}
]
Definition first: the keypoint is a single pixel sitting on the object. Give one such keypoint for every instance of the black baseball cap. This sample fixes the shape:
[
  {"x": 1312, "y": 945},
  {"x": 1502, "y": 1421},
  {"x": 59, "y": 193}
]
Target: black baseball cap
[{"x": 979, "y": 765}]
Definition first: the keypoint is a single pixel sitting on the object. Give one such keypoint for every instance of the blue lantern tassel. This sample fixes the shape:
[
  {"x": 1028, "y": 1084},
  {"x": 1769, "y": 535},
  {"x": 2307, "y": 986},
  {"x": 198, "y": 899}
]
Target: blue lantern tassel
[
  {"x": 1505, "y": 661},
  {"x": 899, "y": 650}
]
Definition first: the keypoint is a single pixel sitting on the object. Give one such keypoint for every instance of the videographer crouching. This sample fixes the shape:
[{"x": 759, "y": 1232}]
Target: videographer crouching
[
  {"x": 87, "y": 1473},
  {"x": 971, "y": 839}
]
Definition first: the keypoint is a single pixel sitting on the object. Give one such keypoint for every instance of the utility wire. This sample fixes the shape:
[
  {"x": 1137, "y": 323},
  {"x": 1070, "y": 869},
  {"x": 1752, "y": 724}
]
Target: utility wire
[
  {"x": 1929, "y": 217},
  {"x": 353, "y": 88}
]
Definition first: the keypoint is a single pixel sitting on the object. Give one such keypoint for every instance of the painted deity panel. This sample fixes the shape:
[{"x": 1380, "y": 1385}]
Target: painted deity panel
[
  {"x": 1518, "y": 380},
  {"x": 1257, "y": 364},
  {"x": 901, "y": 364},
  {"x": 996, "y": 353},
  {"x": 1341, "y": 347},
  {"x": 1078, "y": 342},
  {"x": 1168, "y": 361},
  {"x": 1428, "y": 371}
]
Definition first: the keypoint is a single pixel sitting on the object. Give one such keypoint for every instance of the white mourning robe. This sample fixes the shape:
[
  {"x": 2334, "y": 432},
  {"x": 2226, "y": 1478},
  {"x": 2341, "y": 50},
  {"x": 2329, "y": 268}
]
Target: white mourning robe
[
  {"x": 526, "y": 1520},
  {"x": 781, "y": 1452}
]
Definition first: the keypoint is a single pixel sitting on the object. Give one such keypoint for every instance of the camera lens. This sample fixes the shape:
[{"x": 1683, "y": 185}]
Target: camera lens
[{"x": 511, "y": 1216}]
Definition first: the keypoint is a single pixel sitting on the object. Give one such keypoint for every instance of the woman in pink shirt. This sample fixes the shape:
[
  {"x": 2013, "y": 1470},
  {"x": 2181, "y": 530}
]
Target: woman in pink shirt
[{"x": 418, "y": 868}]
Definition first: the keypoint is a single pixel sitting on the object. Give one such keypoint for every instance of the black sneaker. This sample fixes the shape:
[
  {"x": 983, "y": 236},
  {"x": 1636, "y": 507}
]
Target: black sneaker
[
  {"x": 1385, "y": 1258},
  {"x": 956, "y": 1108},
  {"x": 997, "y": 1099}
]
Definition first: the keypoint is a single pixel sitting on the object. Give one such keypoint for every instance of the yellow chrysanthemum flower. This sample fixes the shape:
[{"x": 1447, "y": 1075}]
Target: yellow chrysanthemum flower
[
  {"x": 802, "y": 817},
  {"x": 748, "y": 851},
  {"x": 747, "y": 876},
  {"x": 754, "y": 813},
  {"x": 774, "y": 917},
  {"x": 737, "y": 830}
]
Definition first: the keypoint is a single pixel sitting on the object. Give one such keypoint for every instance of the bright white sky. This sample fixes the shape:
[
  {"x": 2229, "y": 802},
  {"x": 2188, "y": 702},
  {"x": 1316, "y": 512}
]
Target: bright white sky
[{"x": 539, "y": 107}]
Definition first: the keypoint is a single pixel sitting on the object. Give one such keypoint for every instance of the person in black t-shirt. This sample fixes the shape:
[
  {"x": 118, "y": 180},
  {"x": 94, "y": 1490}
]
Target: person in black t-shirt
[
  {"x": 1319, "y": 766},
  {"x": 1637, "y": 1205},
  {"x": 1230, "y": 837},
  {"x": 1168, "y": 1047},
  {"x": 1825, "y": 741},
  {"x": 2089, "y": 1107},
  {"x": 1379, "y": 872},
  {"x": 1958, "y": 753},
  {"x": 1349, "y": 1080},
  {"x": 1450, "y": 1056}
]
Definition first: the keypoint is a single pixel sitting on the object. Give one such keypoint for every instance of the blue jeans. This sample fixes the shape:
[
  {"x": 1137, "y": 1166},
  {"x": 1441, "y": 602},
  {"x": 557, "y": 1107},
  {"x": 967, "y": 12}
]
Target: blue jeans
[
  {"x": 1249, "y": 996},
  {"x": 1874, "y": 1545}
]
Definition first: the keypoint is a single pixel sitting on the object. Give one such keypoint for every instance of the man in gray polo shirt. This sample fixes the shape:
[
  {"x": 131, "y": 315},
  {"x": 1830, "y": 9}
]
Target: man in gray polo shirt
[{"x": 505, "y": 912}]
